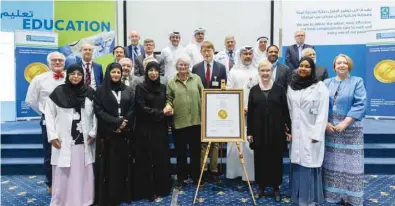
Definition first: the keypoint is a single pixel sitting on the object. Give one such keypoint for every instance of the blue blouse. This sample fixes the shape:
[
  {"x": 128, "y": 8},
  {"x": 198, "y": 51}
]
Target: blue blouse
[{"x": 351, "y": 97}]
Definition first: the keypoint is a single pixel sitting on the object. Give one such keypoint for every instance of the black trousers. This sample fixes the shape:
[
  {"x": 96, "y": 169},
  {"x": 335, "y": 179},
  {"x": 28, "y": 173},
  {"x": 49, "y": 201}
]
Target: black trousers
[
  {"x": 47, "y": 152},
  {"x": 187, "y": 139}
]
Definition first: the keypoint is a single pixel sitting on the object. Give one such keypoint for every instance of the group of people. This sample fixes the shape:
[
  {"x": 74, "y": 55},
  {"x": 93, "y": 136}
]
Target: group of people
[{"x": 106, "y": 136}]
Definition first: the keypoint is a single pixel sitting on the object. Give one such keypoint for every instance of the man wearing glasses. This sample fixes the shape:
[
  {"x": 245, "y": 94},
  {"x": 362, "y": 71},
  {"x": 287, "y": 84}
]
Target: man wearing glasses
[
  {"x": 36, "y": 97},
  {"x": 294, "y": 52}
]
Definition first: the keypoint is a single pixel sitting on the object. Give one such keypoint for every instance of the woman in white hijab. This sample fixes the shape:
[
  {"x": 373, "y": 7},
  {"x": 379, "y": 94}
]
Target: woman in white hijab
[{"x": 260, "y": 50}]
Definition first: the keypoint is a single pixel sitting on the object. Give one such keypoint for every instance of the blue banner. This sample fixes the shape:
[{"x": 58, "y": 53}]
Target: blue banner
[
  {"x": 32, "y": 49},
  {"x": 380, "y": 79}
]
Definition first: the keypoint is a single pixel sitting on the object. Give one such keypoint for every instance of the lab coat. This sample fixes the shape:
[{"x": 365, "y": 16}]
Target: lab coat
[
  {"x": 308, "y": 110},
  {"x": 59, "y": 121}
]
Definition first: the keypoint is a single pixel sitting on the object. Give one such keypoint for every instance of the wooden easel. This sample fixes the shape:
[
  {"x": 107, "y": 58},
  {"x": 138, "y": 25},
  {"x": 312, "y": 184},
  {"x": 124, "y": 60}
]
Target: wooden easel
[{"x": 223, "y": 87}]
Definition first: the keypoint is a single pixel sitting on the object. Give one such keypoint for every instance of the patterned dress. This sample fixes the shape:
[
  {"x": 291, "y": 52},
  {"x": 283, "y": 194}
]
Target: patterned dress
[{"x": 344, "y": 152}]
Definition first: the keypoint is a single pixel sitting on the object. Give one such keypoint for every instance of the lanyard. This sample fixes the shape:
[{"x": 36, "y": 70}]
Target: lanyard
[{"x": 118, "y": 98}]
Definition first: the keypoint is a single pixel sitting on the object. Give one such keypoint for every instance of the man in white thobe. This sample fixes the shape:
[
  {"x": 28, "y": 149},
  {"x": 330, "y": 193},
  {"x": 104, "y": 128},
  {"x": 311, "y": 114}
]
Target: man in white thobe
[
  {"x": 260, "y": 50},
  {"x": 242, "y": 76},
  {"x": 227, "y": 56},
  {"x": 37, "y": 95},
  {"x": 170, "y": 53},
  {"x": 193, "y": 49}
]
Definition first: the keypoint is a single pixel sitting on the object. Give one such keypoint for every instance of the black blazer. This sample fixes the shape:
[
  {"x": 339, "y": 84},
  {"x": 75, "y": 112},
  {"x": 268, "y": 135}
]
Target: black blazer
[
  {"x": 283, "y": 75},
  {"x": 292, "y": 55},
  {"x": 218, "y": 71}
]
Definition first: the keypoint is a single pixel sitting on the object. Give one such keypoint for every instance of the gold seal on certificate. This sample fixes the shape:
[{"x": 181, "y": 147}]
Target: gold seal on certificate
[
  {"x": 222, "y": 114},
  {"x": 384, "y": 71},
  {"x": 34, "y": 69}
]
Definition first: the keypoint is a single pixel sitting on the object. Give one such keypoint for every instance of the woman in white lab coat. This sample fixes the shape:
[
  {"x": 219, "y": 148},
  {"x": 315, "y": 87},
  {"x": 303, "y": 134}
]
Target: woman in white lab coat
[
  {"x": 308, "y": 102},
  {"x": 71, "y": 127}
]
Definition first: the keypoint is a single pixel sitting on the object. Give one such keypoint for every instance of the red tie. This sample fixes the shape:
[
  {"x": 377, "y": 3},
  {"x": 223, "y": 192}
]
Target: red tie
[
  {"x": 58, "y": 75},
  {"x": 208, "y": 75},
  {"x": 88, "y": 75}
]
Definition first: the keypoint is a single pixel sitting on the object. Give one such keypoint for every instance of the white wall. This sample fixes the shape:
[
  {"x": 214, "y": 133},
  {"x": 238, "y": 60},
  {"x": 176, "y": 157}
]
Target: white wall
[{"x": 155, "y": 19}]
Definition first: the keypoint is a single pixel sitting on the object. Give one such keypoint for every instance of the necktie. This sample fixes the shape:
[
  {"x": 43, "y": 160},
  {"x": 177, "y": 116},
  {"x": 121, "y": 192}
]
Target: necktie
[
  {"x": 208, "y": 75},
  {"x": 134, "y": 53},
  {"x": 58, "y": 75},
  {"x": 87, "y": 74},
  {"x": 230, "y": 59},
  {"x": 300, "y": 51}
]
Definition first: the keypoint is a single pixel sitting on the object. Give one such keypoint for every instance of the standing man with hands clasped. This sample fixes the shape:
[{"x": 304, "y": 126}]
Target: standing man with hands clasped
[{"x": 211, "y": 73}]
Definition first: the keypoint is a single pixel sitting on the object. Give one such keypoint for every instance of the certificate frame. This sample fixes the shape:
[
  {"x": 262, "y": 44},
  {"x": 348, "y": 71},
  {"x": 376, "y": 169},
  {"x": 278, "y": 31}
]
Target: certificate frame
[{"x": 240, "y": 110}]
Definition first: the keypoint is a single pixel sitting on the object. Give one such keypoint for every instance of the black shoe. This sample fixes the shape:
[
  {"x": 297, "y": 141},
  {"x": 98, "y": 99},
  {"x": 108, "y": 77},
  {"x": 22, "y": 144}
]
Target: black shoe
[{"x": 261, "y": 192}]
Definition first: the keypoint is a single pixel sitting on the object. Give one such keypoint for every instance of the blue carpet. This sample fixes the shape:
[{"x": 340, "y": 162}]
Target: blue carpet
[{"x": 31, "y": 190}]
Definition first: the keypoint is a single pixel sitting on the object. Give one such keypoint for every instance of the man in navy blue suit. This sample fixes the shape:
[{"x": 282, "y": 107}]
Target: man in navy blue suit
[
  {"x": 211, "y": 73},
  {"x": 93, "y": 72},
  {"x": 294, "y": 52}
]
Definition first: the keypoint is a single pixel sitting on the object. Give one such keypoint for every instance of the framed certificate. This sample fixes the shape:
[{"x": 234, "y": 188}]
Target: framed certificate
[{"x": 222, "y": 115}]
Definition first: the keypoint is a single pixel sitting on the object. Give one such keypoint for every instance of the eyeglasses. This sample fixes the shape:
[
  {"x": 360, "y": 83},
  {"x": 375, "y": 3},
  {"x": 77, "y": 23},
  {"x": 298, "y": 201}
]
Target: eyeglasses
[{"x": 299, "y": 35}]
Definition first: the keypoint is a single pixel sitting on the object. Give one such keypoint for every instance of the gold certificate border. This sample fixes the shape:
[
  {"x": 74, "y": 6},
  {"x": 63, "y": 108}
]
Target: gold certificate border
[{"x": 204, "y": 137}]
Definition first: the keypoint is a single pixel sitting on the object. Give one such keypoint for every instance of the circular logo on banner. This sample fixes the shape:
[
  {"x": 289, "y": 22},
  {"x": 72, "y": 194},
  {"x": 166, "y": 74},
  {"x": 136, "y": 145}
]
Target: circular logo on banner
[
  {"x": 384, "y": 71},
  {"x": 222, "y": 114},
  {"x": 34, "y": 69}
]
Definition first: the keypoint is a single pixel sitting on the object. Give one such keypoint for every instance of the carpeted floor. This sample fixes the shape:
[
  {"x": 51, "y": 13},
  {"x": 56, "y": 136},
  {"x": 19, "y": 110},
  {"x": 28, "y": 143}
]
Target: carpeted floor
[{"x": 31, "y": 190}]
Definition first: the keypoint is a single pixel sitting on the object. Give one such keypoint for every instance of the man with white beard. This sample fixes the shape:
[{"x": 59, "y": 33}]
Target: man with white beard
[
  {"x": 170, "y": 53},
  {"x": 193, "y": 49},
  {"x": 242, "y": 76}
]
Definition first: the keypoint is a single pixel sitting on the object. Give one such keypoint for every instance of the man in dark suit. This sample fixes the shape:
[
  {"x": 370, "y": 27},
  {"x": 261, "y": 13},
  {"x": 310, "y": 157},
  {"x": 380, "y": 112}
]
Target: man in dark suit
[
  {"x": 281, "y": 72},
  {"x": 320, "y": 72},
  {"x": 149, "y": 47},
  {"x": 119, "y": 53},
  {"x": 211, "y": 73},
  {"x": 294, "y": 52},
  {"x": 134, "y": 49},
  {"x": 93, "y": 72}
]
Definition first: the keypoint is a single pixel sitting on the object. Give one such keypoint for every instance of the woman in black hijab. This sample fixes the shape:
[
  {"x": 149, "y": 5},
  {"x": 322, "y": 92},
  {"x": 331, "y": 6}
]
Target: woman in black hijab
[
  {"x": 71, "y": 127},
  {"x": 114, "y": 108},
  {"x": 152, "y": 144}
]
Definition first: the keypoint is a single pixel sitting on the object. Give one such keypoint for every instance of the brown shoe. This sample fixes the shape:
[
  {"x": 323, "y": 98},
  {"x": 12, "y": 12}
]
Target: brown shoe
[{"x": 50, "y": 190}]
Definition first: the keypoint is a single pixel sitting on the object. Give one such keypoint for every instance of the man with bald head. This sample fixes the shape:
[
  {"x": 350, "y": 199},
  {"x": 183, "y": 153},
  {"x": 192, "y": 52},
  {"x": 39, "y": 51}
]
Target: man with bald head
[
  {"x": 134, "y": 49},
  {"x": 93, "y": 72}
]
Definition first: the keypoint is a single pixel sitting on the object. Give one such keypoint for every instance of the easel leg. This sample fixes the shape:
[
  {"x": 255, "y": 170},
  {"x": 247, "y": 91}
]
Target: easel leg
[
  {"x": 201, "y": 172},
  {"x": 245, "y": 170},
  {"x": 221, "y": 150}
]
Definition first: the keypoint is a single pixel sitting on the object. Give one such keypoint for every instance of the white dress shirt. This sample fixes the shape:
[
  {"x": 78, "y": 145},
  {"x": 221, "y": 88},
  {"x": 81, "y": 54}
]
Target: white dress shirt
[
  {"x": 40, "y": 89},
  {"x": 93, "y": 81}
]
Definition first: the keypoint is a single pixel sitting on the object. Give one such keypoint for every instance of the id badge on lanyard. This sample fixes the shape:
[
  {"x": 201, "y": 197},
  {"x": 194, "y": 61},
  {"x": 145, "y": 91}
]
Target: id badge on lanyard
[{"x": 117, "y": 96}]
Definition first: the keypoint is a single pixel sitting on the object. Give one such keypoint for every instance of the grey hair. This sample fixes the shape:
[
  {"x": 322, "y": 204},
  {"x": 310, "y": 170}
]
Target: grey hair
[
  {"x": 307, "y": 50},
  {"x": 131, "y": 74},
  {"x": 49, "y": 57},
  {"x": 184, "y": 59},
  {"x": 299, "y": 30},
  {"x": 264, "y": 63}
]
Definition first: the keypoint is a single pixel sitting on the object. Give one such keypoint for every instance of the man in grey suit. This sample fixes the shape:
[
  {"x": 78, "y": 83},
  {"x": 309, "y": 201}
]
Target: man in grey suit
[
  {"x": 294, "y": 52},
  {"x": 281, "y": 73},
  {"x": 134, "y": 49},
  {"x": 127, "y": 71},
  {"x": 149, "y": 47},
  {"x": 211, "y": 73},
  {"x": 320, "y": 72}
]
